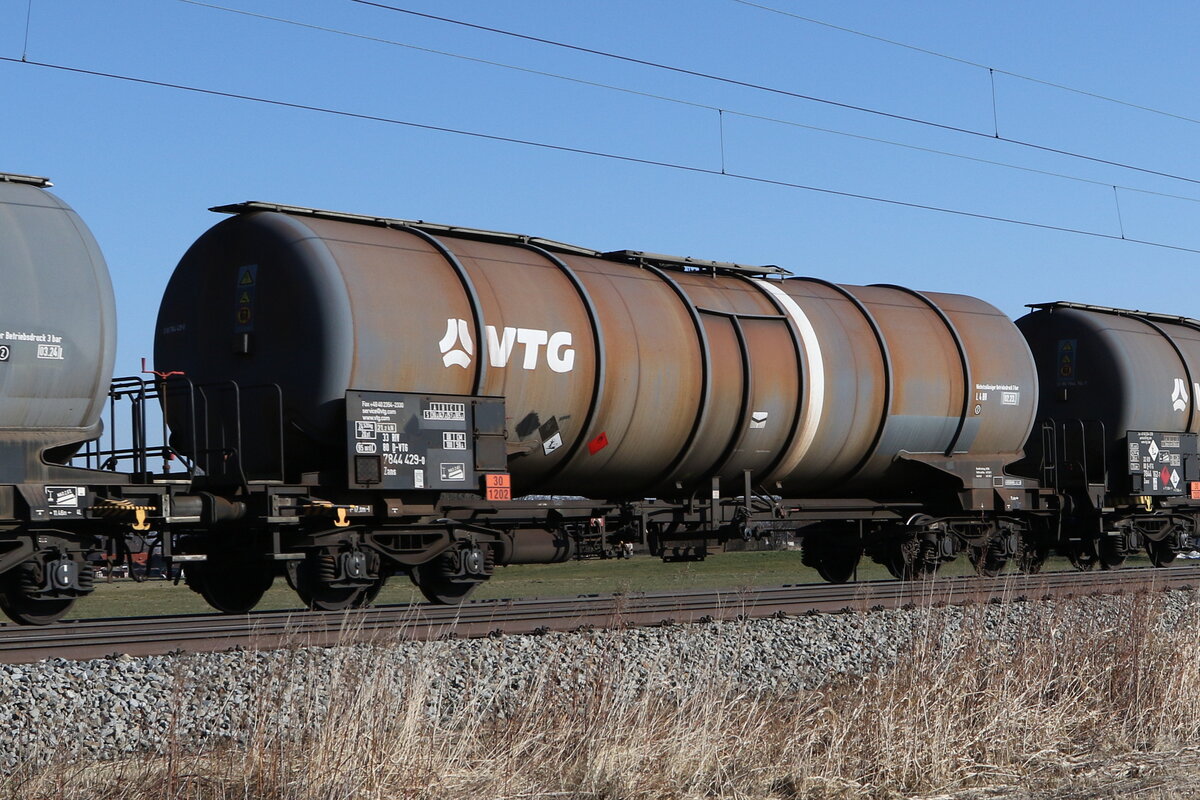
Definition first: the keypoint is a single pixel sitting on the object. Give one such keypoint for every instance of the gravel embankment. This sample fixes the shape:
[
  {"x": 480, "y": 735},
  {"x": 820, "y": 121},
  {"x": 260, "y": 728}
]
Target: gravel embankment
[{"x": 117, "y": 706}]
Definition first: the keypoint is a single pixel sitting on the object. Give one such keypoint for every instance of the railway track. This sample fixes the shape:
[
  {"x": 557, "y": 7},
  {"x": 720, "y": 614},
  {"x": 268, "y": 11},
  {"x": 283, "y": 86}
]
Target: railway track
[{"x": 138, "y": 636}]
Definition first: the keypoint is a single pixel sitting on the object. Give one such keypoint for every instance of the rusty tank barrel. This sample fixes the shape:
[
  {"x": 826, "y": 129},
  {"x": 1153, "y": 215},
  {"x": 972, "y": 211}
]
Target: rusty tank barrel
[{"x": 624, "y": 374}]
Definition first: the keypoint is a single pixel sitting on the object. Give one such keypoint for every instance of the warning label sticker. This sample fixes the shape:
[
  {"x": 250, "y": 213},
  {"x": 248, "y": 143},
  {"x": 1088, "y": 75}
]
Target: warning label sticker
[
  {"x": 243, "y": 314},
  {"x": 1066, "y": 360},
  {"x": 551, "y": 436},
  {"x": 453, "y": 471},
  {"x": 63, "y": 496},
  {"x": 1161, "y": 463}
]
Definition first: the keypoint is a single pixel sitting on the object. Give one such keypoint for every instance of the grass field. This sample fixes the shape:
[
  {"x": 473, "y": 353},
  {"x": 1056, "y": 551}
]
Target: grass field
[{"x": 123, "y": 598}]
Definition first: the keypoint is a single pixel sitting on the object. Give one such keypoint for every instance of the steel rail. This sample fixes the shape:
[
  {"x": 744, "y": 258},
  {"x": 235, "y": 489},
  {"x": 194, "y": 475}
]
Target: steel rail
[{"x": 139, "y": 636}]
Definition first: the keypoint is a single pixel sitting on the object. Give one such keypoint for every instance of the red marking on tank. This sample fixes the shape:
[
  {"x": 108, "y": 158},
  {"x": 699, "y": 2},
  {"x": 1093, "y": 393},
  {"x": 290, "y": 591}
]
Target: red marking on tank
[
  {"x": 598, "y": 444},
  {"x": 1165, "y": 477}
]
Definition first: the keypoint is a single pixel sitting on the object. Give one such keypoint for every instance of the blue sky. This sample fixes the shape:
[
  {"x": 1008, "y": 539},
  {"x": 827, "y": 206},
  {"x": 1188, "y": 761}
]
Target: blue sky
[{"x": 142, "y": 164}]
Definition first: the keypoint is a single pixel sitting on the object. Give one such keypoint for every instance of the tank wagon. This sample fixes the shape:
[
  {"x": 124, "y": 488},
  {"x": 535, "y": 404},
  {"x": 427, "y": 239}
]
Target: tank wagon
[
  {"x": 350, "y": 398},
  {"x": 717, "y": 389},
  {"x": 1116, "y": 442}
]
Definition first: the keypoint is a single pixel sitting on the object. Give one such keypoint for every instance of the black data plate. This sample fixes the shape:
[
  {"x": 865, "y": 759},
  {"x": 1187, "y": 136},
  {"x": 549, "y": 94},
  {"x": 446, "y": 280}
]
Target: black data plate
[
  {"x": 397, "y": 440},
  {"x": 1162, "y": 464}
]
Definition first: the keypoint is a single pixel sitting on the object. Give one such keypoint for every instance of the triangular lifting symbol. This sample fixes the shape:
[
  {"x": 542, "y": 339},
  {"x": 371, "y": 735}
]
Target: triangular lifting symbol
[
  {"x": 247, "y": 279},
  {"x": 244, "y": 299},
  {"x": 1067, "y": 347}
]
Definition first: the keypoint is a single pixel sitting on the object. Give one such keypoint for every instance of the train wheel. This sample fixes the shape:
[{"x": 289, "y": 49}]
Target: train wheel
[
  {"x": 230, "y": 585},
  {"x": 367, "y": 596},
  {"x": 897, "y": 566},
  {"x": 1161, "y": 553},
  {"x": 25, "y": 610},
  {"x": 1031, "y": 554},
  {"x": 989, "y": 560},
  {"x": 991, "y": 557},
  {"x": 19, "y": 596},
  {"x": 310, "y": 578},
  {"x": 1112, "y": 556},
  {"x": 326, "y": 598},
  {"x": 439, "y": 587},
  {"x": 1084, "y": 554},
  {"x": 835, "y": 558},
  {"x": 903, "y": 559}
]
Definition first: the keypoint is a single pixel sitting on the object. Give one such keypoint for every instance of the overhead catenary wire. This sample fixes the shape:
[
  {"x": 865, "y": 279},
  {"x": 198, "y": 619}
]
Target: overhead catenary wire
[
  {"x": 28, "y": 19},
  {"x": 588, "y": 152},
  {"x": 778, "y": 91},
  {"x": 967, "y": 62},
  {"x": 995, "y": 112},
  {"x": 1120, "y": 220},
  {"x": 719, "y": 111}
]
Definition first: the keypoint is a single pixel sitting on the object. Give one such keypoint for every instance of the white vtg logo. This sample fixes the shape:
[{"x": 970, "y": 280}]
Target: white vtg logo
[
  {"x": 457, "y": 348},
  {"x": 1179, "y": 395}
]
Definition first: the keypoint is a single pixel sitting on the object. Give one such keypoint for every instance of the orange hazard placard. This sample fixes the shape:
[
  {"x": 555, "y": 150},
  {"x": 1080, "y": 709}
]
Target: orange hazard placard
[
  {"x": 498, "y": 486},
  {"x": 1194, "y": 493}
]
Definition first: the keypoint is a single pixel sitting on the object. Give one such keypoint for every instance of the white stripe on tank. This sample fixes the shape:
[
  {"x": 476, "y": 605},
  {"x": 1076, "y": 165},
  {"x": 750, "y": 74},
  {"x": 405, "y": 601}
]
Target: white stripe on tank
[{"x": 814, "y": 403}]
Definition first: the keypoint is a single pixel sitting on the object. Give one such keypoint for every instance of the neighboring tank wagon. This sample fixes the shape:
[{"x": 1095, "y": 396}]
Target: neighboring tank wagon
[
  {"x": 1119, "y": 417},
  {"x": 351, "y": 398},
  {"x": 57, "y": 328},
  {"x": 57, "y": 343}
]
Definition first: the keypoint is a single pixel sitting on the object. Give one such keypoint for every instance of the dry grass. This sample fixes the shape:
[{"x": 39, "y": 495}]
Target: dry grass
[{"x": 1062, "y": 705}]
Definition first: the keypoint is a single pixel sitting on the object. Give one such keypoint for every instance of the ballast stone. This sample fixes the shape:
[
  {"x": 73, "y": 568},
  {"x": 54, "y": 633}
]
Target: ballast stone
[{"x": 59, "y": 710}]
